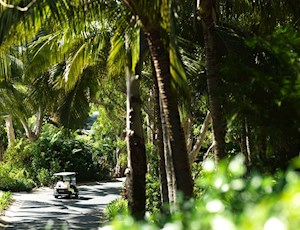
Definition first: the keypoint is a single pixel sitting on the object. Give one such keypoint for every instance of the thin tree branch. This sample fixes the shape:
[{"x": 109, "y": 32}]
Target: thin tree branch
[
  {"x": 196, "y": 148},
  {"x": 23, "y": 9}
]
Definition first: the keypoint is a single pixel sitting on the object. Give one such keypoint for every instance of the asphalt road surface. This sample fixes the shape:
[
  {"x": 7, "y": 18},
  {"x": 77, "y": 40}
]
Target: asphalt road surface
[{"x": 37, "y": 209}]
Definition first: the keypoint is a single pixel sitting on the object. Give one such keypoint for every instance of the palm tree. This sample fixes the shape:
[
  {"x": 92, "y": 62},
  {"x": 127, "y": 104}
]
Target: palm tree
[
  {"x": 136, "y": 178},
  {"x": 156, "y": 23},
  {"x": 128, "y": 48},
  {"x": 13, "y": 93},
  {"x": 210, "y": 14}
]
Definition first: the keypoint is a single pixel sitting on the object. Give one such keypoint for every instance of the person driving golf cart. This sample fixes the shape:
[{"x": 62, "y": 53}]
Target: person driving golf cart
[{"x": 65, "y": 185}]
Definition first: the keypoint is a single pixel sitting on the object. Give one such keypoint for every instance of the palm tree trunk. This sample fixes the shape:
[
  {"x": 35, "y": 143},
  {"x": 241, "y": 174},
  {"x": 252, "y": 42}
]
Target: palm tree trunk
[
  {"x": 209, "y": 15},
  {"x": 160, "y": 57},
  {"x": 10, "y": 130},
  {"x": 170, "y": 174},
  {"x": 136, "y": 178},
  {"x": 160, "y": 144}
]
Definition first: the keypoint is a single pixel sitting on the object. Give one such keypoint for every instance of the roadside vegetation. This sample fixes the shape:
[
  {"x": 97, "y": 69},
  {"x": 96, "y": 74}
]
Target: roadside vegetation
[
  {"x": 5, "y": 200},
  {"x": 29, "y": 164},
  {"x": 226, "y": 197}
]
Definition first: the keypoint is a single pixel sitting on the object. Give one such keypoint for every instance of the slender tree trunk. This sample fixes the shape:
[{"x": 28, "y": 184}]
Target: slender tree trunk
[
  {"x": 149, "y": 129},
  {"x": 244, "y": 143},
  {"x": 196, "y": 148},
  {"x": 150, "y": 119},
  {"x": 10, "y": 130},
  {"x": 117, "y": 172},
  {"x": 136, "y": 178},
  {"x": 1, "y": 151},
  {"x": 187, "y": 129},
  {"x": 248, "y": 145},
  {"x": 38, "y": 124},
  {"x": 160, "y": 144},
  {"x": 119, "y": 169},
  {"x": 160, "y": 57},
  {"x": 30, "y": 136},
  {"x": 210, "y": 13},
  {"x": 170, "y": 173}
]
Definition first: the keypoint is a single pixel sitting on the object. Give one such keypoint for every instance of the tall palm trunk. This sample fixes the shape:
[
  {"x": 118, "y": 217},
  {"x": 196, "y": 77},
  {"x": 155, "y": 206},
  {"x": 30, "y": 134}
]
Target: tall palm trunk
[
  {"x": 170, "y": 174},
  {"x": 160, "y": 144},
  {"x": 136, "y": 178},
  {"x": 160, "y": 57},
  {"x": 210, "y": 13},
  {"x": 10, "y": 130}
]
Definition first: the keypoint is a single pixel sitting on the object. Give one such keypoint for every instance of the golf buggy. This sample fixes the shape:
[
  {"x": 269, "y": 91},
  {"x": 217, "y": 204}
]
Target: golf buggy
[{"x": 65, "y": 185}]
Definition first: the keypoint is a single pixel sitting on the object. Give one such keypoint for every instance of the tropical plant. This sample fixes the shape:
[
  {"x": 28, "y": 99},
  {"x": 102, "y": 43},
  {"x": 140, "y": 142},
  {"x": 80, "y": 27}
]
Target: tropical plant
[
  {"x": 226, "y": 199},
  {"x": 115, "y": 208},
  {"x": 156, "y": 20},
  {"x": 5, "y": 200}
]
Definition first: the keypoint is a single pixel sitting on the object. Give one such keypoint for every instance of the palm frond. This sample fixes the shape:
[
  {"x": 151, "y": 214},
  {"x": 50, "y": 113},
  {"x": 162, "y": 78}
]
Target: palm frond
[
  {"x": 75, "y": 106},
  {"x": 22, "y": 26},
  {"x": 10, "y": 66},
  {"x": 179, "y": 79}
]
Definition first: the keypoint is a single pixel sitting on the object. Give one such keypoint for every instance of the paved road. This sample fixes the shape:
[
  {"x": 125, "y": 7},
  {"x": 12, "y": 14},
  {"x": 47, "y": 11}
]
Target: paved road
[{"x": 34, "y": 210}]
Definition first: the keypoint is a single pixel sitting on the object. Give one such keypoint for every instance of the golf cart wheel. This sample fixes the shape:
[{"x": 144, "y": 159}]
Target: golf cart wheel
[{"x": 55, "y": 196}]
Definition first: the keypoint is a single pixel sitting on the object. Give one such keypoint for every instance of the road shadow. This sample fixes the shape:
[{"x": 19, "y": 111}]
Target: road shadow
[{"x": 40, "y": 207}]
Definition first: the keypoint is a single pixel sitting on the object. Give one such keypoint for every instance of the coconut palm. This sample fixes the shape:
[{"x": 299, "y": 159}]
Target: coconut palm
[
  {"x": 210, "y": 13},
  {"x": 155, "y": 17},
  {"x": 72, "y": 80},
  {"x": 13, "y": 93}
]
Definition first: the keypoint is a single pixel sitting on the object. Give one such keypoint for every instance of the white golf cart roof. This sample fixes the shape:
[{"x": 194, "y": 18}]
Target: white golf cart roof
[{"x": 65, "y": 174}]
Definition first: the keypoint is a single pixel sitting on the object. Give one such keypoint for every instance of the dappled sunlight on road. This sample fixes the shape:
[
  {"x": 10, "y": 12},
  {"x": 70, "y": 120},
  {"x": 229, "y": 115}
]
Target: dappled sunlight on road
[{"x": 34, "y": 210}]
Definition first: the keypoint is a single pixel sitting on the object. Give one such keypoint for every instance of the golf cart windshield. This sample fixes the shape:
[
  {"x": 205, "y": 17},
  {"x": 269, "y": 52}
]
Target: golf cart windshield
[{"x": 67, "y": 177}]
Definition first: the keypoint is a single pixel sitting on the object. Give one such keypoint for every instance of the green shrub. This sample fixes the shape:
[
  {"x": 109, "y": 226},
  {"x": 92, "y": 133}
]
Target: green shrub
[
  {"x": 15, "y": 185},
  {"x": 20, "y": 154},
  {"x": 44, "y": 177},
  {"x": 115, "y": 208},
  {"x": 227, "y": 198},
  {"x": 5, "y": 200},
  {"x": 60, "y": 152},
  {"x": 153, "y": 202},
  {"x": 14, "y": 179}
]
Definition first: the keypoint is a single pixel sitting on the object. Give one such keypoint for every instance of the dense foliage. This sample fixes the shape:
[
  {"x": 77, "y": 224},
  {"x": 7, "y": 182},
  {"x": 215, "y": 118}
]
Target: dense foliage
[
  {"x": 27, "y": 164},
  {"x": 229, "y": 198},
  {"x": 262, "y": 87}
]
